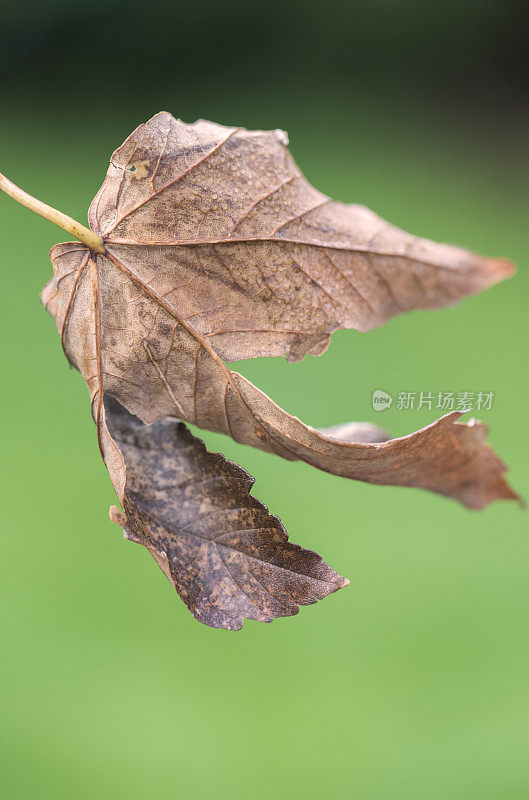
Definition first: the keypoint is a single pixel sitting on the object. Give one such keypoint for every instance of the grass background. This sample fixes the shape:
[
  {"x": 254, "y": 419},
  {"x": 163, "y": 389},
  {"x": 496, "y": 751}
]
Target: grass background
[{"x": 410, "y": 683}]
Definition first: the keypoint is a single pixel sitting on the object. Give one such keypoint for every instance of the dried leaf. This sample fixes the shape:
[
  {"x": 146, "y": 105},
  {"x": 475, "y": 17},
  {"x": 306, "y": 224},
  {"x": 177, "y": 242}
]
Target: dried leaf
[
  {"x": 215, "y": 248},
  {"x": 226, "y": 556}
]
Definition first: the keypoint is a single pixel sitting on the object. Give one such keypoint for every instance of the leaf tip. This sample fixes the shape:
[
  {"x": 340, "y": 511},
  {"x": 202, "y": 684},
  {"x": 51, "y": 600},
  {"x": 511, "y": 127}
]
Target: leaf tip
[{"x": 501, "y": 269}]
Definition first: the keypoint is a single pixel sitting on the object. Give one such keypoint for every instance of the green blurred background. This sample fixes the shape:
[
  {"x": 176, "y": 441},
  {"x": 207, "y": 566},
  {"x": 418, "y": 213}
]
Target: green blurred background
[{"x": 413, "y": 681}]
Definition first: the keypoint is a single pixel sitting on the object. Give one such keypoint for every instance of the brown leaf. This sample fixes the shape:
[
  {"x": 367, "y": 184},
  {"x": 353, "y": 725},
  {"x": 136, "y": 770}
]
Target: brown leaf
[
  {"x": 226, "y": 556},
  {"x": 216, "y": 248},
  {"x": 207, "y": 245}
]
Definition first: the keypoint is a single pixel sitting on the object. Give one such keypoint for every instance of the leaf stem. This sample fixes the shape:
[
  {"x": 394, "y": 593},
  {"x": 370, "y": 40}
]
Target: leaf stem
[{"x": 85, "y": 235}]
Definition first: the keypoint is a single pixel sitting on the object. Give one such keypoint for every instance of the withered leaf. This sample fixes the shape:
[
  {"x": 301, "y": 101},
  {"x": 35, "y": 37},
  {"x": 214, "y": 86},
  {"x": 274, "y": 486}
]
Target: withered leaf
[
  {"x": 226, "y": 556},
  {"x": 215, "y": 248}
]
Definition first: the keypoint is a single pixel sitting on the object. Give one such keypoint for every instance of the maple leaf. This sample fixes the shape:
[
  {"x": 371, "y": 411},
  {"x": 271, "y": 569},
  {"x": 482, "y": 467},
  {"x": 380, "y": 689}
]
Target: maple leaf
[{"x": 207, "y": 245}]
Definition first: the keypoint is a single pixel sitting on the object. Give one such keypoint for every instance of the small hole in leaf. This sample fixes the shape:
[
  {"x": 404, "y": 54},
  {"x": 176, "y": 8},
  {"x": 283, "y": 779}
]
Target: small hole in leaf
[{"x": 132, "y": 169}]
